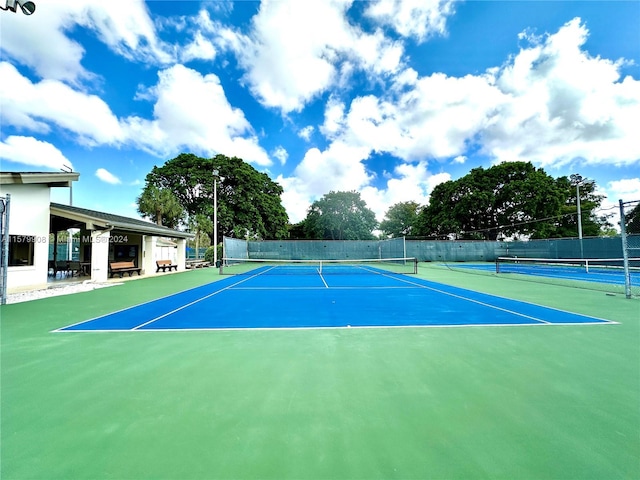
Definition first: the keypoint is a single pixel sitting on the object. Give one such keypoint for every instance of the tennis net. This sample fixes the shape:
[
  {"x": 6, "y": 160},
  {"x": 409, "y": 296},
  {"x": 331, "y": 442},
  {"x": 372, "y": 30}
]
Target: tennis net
[
  {"x": 375, "y": 266},
  {"x": 559, "y": 265}
]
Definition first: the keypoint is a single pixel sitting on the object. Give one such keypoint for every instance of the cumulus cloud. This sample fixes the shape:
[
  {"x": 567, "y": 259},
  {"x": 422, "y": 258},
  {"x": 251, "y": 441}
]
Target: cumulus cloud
[
  {"x": 432, "y": 117},
  {"x": 281, "y": 154},
  {"x": 39, "y": 106},
  {"x": 409, "y": 183},
  {"x": 32, "y": 152},
  {"x": 199, "y": 48},
  {"x": 563, "y": 104},
  {"x": 41, "y": 42},
  {"x": 191, "y": 110},
  {"x": 551, "y": 104},
  {"x": 419, "y": 19},
  {"x": 626, "y": 189},
  {"x": 321, "y": 43},
  {"x": 306, "y": 132},
  {"x": 107, "y": 176}
]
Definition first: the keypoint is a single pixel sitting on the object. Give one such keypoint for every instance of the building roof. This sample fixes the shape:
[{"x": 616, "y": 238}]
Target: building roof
[
  {"x": 95, "y": 220},
  {"x": 50, "y": 179}
]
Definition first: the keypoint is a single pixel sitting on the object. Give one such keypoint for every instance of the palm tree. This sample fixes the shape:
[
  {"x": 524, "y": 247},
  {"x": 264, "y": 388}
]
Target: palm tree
[
  {"x": 161, "y": 206},
  {"x": 203, "y": 227}
]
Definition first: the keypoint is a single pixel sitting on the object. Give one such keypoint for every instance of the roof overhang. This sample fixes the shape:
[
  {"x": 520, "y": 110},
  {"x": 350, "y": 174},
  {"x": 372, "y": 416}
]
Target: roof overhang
[
  {"x": 68, "y": 217},
  {"x": 50, "y": 179},
  {"x": 88, "y": 222}
]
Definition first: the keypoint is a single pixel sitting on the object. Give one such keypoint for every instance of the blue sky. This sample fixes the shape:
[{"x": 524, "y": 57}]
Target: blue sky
[{"x": 385, "y": 97}]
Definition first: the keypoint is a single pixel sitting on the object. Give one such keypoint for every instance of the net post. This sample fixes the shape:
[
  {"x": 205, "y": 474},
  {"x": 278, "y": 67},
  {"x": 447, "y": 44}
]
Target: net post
[{"x": 625, "y": 251}]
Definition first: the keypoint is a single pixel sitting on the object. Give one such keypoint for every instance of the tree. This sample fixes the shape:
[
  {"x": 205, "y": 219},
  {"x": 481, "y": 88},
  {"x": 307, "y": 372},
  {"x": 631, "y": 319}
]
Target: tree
[
  {"x": 340, "y": 216},
  {"x": 249, "y": 203},
  {"x": 567, "y": 224},
  {"x": 633, "y": 221},
  {"x": 161, "y": 206},
  {"x": 400, "y": 219},
  {"x": 503, "y": 200},
  {"x": 202, "y": 226}
]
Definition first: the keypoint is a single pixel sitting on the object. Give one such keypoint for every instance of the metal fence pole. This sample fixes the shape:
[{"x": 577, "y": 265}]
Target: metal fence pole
[
  {"x": 4, "y": 233},
  {"x": 625, "y": 252}
]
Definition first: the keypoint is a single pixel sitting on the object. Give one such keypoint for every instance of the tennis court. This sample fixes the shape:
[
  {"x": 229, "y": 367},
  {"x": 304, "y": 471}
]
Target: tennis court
[
  {"x": 310, "y": 295},
  {"x": 606, "y": 271},
  {"x": 318, "y": 403}
]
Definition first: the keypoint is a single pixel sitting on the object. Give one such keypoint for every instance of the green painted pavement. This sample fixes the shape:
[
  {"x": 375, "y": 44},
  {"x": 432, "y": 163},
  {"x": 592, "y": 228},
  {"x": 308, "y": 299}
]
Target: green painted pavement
[{"x": 538, "y": 402}]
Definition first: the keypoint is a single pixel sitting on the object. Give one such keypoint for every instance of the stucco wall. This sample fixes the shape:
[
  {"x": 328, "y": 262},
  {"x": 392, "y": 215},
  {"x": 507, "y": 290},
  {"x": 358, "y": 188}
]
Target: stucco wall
[{"x": 29, "y": 217}]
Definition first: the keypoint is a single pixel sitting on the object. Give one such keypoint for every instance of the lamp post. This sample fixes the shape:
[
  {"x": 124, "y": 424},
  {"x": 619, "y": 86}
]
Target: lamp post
[
  {"x": 215, "y": 216},
  {"x": 577, "y": 181}
]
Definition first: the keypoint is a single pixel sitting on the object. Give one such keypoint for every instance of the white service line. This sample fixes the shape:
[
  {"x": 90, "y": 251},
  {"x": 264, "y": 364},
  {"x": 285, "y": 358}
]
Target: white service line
[{"x": 193, "y": 303}]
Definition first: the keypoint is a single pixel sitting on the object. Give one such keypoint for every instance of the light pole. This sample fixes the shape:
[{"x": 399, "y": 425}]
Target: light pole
[
  {"x": 68, "y": 169},
  {"x": 215, "y": 216},
  {"x": 577, "y": 181}
]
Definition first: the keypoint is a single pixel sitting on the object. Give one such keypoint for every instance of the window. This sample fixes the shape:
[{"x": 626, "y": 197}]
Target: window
[{"x": 21, "y": 250}]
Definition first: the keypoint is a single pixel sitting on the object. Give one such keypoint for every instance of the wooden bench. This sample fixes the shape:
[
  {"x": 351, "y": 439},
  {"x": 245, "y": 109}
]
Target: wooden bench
[
  {"x": 121, "y": 268},
  {"x": 164, "y": 264},
  {"x": 197, "y": 264}
]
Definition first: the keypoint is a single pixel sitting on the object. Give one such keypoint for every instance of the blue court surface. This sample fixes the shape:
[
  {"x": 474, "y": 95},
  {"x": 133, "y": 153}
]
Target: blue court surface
[
  {"x": 267, "y": 301},
  {"x": 598, "y": 275}
]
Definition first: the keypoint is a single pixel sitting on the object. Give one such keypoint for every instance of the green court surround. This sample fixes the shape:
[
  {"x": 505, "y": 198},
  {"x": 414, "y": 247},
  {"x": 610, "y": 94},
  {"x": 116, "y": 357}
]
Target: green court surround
[{"x": 477, "y": 402}]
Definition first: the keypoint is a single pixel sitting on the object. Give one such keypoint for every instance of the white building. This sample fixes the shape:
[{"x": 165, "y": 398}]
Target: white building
[{"x": 103, "y": 237}]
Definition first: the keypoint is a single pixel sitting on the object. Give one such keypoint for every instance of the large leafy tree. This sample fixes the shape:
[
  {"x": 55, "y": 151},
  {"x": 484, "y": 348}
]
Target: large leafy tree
[
  {"x": 161, "y": 206},
  {"x": 249, "y": 203},
  {"x": 633, "y": 221},
  {"x": 567, "y": 224},
  {"x": 507, "y": 199},
  {"x": 400, "y": 219},
  {"x": 340, "y": 216}
]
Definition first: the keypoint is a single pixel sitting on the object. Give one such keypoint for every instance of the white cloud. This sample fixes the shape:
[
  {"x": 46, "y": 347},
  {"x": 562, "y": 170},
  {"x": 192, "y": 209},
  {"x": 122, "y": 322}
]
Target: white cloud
[
  {"x": 626, "y": 189},
  {"x": 281, "y": 154},
  {"x": 431, "y": 117},
  {"x": 318, "y": 39},
  {"x": 199, "y": 49},
  {"x": 419, "y": 19},
  {"x": 564, "y": 104},
  {"x": 40, "y": 41},
  {"x": 37, "y": 106},
  {"x": 339, "y": 168},
  {"x": 409, "y": 183},
  {"x": 306, "y": 132},
  {"x": 551, "y": 104},
  {"x": 192, "y": 111},
  {"x": 33, "y": 152},
  {"x": 107, "y": 176}
]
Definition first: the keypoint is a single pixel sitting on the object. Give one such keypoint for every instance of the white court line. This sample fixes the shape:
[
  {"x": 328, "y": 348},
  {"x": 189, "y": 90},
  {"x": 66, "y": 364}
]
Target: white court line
[
  {"x": 192, "y": 303},
  {"x": 353, "y": 287},
  {"x": 512, "y": 300},
  {"x": 352, "y": 327},
  {"x": 323, "y": 281},
  {"x": 131, "y": 308}
]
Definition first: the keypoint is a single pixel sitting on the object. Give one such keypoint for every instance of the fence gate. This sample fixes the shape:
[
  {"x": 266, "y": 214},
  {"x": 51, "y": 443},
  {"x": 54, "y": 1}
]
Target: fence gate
[{"x": 630, "y": 234}]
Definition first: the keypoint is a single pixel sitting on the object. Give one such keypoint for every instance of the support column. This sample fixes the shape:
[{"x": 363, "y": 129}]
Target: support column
[
  {"x": 182, "y": 254},
  {"x": 149, "y": 254},
  {"x": 100, "y": 255}
]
